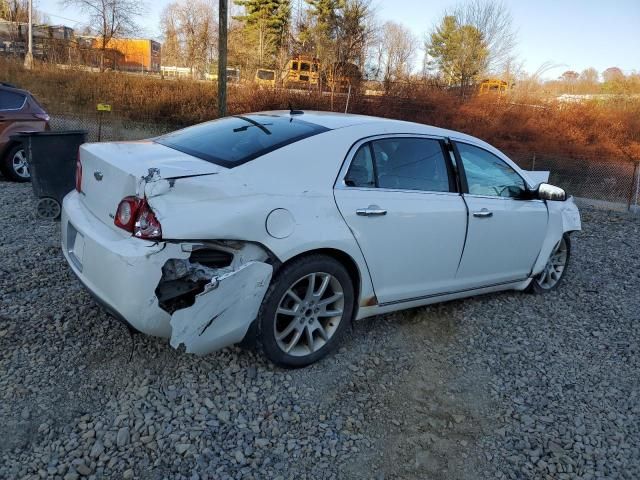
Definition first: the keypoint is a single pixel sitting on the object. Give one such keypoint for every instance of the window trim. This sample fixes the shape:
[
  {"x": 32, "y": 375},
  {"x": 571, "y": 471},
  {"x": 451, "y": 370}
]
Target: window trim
[
  {"x": 24, "y": 102},
  {"x": 463, "y": 174},
  {"x": 340, "y": 181}
]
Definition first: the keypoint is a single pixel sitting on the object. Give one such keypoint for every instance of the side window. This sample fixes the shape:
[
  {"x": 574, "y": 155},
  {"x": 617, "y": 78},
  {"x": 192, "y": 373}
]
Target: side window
[
  {"x": 411, "y": 164},
  {"x": 489, "y": 175},
  {"x": 361, "y": 173},
  {"x": 11, "y": 100},
  {"x": 294, "y": 65}
]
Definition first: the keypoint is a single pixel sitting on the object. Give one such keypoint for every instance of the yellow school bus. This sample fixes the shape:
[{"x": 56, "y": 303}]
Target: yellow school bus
[
  {"x": 302, "y": 72},
  {"x": 493, "y": 85},
  {"x": 343, "y": 76},
  {"x": 265, "y": 77}
]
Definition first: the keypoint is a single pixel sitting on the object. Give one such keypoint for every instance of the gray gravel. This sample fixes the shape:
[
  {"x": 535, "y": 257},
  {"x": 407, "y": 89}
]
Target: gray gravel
[{"x": 504, "y": 386}]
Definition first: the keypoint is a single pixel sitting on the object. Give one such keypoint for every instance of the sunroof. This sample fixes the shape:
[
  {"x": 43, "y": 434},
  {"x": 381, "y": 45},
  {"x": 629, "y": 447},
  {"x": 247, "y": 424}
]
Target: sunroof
[{"x": 232, "y": 141}]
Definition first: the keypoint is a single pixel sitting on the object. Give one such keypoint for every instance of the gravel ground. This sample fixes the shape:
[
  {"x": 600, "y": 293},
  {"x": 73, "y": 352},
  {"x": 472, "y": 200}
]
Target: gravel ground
[{"x": 503, "y": 386}]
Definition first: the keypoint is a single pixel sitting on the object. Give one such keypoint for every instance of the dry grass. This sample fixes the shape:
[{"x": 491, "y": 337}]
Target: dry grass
[{"x": 587, "y": 130}]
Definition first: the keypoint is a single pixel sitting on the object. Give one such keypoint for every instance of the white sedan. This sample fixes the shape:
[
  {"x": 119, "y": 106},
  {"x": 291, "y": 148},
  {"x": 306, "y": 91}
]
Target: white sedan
[{"x": 284, "y": 227}]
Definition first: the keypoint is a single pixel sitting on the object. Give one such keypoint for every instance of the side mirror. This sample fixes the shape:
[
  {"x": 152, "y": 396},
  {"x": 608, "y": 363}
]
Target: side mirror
[{"x": 551, "y": 192}]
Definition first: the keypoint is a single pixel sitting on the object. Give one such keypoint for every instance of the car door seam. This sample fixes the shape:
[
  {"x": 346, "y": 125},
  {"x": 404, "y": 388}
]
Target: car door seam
[
  {"x": 364, "y": 258},
  {"x": 466, "y": 234},
  {"x": 542, "y": 244}
]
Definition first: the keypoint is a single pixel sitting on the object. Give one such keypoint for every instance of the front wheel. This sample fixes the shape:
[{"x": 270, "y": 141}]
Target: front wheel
[
  {"x": 554, "y": 270},
  {"x": 305, "y": 311}
]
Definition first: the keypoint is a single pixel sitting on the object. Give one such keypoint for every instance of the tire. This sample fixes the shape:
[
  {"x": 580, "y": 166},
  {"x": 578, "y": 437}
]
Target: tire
[
  {"x": 555, "y": 268},
  {"x": 17, "y": 171},
  {"x": 289, "y": 311}
]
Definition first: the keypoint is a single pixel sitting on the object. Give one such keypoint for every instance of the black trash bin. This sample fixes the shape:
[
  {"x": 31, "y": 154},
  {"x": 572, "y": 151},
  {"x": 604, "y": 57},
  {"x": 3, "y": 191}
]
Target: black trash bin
[{"x": 52, "y": 163}]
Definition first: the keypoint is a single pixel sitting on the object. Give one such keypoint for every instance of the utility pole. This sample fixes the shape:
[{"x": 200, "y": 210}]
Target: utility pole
[
  {"x": 28, "y": 58},
  {"x": 222, "y": 58}
]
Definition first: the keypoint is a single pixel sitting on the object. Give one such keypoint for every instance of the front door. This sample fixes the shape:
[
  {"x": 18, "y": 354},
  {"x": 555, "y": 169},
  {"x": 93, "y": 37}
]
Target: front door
[
  {"x": 506, "y": 230},
  {"x": 398, "y": 198}
]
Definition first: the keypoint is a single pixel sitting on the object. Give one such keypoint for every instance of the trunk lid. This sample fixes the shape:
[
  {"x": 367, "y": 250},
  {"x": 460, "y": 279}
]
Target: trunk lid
[{"x": 114, "y": 170}]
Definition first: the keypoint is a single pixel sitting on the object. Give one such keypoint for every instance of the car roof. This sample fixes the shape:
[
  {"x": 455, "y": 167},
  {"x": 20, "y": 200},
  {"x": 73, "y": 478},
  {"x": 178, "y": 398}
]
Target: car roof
[
  {"x": 331, "y": 120},
  {"x": 387, "y": 126},
  {"x": 335, "y": 120}
]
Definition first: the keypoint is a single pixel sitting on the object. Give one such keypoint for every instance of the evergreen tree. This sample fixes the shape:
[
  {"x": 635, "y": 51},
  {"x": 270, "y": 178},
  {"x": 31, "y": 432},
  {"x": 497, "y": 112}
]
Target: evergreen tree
[
  {"x": 458, "y": 51},
  {"x": 327, "y": 15},
  {"x": 269, "y": 21}
]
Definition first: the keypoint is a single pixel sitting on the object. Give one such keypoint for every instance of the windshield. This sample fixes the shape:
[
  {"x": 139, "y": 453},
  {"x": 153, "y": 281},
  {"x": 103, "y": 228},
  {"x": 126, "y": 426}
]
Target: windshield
[{"x": 232, "y": 141}]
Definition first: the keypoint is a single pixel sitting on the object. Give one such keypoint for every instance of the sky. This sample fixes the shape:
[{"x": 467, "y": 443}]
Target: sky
[{"x": 574, "y": 34}]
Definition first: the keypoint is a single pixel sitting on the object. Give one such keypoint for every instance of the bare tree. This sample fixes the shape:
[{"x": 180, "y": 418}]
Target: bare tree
[
  {"x": 18, "y": 11},
  {"x": 110, "y": 18},
  {"x": 492, "y": 19},
  {"x": 171, "y": 47},
  {"x": 395, "y": 51},
  {"x": 192, "y": 27},
  {"x": 612, "y": 74},
  {"x": 14, "y": 10},
  {"x": 590, "y": 76}
]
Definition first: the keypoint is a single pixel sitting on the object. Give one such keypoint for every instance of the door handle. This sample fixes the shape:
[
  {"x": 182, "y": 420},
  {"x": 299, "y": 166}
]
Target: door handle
[
  {"x": 370, "y": 211},
  {"x": 484, "y": 213}
]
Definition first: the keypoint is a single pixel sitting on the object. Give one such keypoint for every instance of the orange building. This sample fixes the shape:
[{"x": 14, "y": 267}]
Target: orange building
[{"x": 139, "y": 53}]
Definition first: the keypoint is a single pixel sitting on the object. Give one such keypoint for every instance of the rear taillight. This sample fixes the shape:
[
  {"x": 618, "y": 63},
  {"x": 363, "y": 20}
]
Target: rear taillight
[
  {"x": 42, "y": 116},
  {"x": 127, "y": 212},
  {"x": 78, "y": 174},
  {"x": 147, "y": 225},
  {"x": 135, "y": 215}
]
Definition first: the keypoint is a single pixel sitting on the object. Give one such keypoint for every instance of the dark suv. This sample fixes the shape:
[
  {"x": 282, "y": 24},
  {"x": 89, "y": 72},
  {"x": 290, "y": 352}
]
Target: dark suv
[{"x": 19, "y": 112}]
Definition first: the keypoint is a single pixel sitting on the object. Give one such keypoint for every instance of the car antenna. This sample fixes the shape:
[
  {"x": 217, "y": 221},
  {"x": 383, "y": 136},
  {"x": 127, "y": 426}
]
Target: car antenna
[{"x": 292, "y": 111}]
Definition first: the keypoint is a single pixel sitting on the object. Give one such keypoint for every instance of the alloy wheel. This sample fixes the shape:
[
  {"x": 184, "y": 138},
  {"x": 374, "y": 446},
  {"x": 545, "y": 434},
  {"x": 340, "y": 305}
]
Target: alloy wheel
[
  {"x": 308, "y": 314},
  {"x": 555, "y": 266},
  {"x": 20, "y": 164}
]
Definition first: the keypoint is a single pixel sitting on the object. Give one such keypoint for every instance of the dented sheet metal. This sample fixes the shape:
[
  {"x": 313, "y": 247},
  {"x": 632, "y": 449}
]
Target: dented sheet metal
[
  {"x": 563, "y": 217},
  {"x": 222, "y": 313}
]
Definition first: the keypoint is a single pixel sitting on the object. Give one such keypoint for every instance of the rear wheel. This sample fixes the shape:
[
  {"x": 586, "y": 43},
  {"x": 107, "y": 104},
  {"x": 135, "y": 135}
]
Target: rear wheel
[
  {"x": 554, "y": 270},
  {"x": 305, "y": 311},
  {"x": 14, "y": 164}
]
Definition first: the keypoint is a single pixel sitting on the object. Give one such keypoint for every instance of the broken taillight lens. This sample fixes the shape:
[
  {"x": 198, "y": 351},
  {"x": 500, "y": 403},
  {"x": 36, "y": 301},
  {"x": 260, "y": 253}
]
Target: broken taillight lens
[
  {"x": 147, "y": 225},
  {"x": 78, "y": 173},
  {"x": 135, "y": 215}
]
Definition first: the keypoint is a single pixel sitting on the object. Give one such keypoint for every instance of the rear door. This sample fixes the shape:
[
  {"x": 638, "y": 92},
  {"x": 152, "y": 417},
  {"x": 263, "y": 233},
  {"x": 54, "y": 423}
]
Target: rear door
[
  {"x": 506, "y": 230},
  {"x": 398, "y": 196},
  {"x": 16, "y": 115}
]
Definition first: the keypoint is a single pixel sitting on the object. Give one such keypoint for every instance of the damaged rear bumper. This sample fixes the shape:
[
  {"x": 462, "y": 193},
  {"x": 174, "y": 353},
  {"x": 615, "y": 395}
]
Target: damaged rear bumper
[{"x": 124, "y": 274}]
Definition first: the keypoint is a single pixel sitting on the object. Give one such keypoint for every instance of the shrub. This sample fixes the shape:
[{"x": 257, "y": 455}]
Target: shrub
[{"x": 516, "y": 124}]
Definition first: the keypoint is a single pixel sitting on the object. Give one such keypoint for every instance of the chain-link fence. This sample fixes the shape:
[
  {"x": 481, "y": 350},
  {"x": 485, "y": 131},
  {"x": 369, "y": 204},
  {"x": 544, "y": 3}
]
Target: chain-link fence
[
  {"x": 600, "y": 182},
  {"x": 608, "y": 183},
  {"x": 108, "y": 126}
]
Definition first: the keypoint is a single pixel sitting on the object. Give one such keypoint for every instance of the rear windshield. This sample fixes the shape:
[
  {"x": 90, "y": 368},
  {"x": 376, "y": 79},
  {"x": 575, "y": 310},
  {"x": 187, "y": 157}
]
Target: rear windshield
[
  {"x": 266, "y": 75},
  {"x": 232, "y": 141}
]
